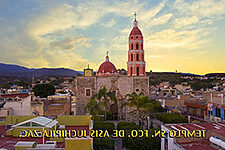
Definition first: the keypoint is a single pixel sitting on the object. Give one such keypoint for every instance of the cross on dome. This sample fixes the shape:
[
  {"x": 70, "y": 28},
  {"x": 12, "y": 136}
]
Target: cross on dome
[
  {"x": 135, "y": 14},
  {"x": 107, "y": 57},
  {"x": 135, "y": 24}
]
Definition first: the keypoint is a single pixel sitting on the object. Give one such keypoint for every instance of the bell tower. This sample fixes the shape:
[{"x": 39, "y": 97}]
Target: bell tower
[{"x": 136, "y": 59}]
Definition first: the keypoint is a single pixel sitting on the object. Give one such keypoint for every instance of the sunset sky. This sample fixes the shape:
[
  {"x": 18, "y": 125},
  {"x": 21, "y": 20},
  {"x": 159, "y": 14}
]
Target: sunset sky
[{"x": 183, "y": 35}]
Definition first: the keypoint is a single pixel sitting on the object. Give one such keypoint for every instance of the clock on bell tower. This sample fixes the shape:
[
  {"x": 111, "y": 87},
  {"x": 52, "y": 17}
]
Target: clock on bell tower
[{"x": 88, "y": 71}]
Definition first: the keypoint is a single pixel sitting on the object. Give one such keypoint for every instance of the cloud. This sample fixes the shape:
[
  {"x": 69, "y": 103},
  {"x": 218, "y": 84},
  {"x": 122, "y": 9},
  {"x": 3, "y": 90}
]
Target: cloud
[
  {"x": 110, "y": 23},
  {"x": 69, "y": 43},
  {"x": 161, "y": 20},
  {"x": 147, "y": 15},
  {"x": 185, "y": 21},
  {"x": 72, "y": 34},
  {"x": 156, "y": 56},
  {"x": 201, "y": 8},
  {"x": 170, "y": 39}
]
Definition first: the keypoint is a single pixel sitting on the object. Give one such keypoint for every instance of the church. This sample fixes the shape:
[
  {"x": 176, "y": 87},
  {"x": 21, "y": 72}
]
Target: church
[{"x": 108, "y": 76}]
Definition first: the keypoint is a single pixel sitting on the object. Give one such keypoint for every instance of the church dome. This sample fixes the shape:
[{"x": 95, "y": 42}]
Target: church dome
[
  {"x": 135, "y": 31},
  {"x": 107, "y": 68}
]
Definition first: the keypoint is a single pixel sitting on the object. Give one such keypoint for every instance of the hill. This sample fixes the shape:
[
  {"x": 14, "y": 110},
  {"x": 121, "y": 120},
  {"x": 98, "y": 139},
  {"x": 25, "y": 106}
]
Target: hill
[{"x": 20, "y": 71}]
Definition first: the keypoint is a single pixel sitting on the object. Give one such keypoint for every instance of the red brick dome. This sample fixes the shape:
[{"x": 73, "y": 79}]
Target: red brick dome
[
  {"x": 135, "y": 30},
  {"x": 107, "y": 68}
]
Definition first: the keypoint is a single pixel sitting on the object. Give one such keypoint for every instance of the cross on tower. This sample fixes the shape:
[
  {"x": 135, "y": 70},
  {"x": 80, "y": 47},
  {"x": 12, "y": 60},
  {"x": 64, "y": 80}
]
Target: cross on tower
[
  {"x": 135, "y": 14},
  {"x": 107, "y": 53}
]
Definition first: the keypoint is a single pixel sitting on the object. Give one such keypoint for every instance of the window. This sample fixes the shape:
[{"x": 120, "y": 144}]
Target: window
[
  {"x": 137, "y": 46},
  {"x": 131, "y": 37},
  {"x": 131, "y": 70},
  {"x": 217, "y": 112},
  {"x": 137, "y": 57},
  {"x": 191, "y": 110},
  {"x": 25, "y": 124},
  {"x": 137, "y": 71},
  {"x": 136, "y": 37},
  {"x": 131, "y": 57},
  {"x": 36, "y": 125},
  {"x": 142, "y": 56},
  {"x": 198, "y": 111},
  {"x": 132, "y": 46},
  {"x": 88, "y": 92},
  {"x": 137, "y": 90},
  {"x": 141, "y": 46}
]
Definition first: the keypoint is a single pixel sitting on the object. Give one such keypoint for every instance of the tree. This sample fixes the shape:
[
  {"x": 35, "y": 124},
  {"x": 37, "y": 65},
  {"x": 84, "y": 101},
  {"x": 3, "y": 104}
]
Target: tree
[
  {"x": 142, "y": 105},
  {"x": 151, "y": 125},
  {"x": 93, "y": 107},
  {"x": 43, "y": 90},
  {"x": 5, "y": 85},
  {"x": 102, "y": 98}
]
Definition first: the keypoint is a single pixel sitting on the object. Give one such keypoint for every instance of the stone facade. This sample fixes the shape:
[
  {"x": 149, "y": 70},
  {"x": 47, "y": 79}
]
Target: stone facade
[
  {"x": 19, "y": 108},
  {"x": 52, "y": 106},
  {"x": 121, "y": 85}
]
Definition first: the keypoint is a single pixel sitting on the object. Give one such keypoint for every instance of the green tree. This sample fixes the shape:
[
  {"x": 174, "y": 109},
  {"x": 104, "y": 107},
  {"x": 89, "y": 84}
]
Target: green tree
[
  {"x": 142, "y": 104},
  {"x": 44, "y": 90},
  {"x": 101, "y": 99},
  {"x": 104, "y": 97},
  {"x": 5, "y": 85},
  {"x": 93, "y": 107}
]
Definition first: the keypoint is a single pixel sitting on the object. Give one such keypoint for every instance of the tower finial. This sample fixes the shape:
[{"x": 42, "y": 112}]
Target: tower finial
[
  {"x": 135, "y": 23},
  {"x": 135, "y": 14},
  {"x": 107, "y": 57}
]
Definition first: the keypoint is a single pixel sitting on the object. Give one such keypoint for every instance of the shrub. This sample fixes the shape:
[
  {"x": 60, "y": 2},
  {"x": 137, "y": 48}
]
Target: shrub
[
  {"x": 142, "y": 143},
  {"x": 172, "y": 118},
  {"x": 109, "y": 115},
  {"x": 121, "y": 125},
  {"x": 109, "y": 126},
  {"x": 103, "y": 144}
]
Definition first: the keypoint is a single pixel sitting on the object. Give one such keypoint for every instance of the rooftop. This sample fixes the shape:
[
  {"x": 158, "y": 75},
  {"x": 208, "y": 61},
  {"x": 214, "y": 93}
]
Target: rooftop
[
  {"x": 212, "y": 129},
  {"x": 44, "y": 121}
]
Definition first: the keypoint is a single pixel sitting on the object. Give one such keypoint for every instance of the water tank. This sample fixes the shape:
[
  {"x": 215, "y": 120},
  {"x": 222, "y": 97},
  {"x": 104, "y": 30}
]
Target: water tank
[{"x": 217, "y": 141}]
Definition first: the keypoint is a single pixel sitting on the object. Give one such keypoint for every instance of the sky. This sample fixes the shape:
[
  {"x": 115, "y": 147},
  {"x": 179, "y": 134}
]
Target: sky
[{"x": 183, "y": 35}]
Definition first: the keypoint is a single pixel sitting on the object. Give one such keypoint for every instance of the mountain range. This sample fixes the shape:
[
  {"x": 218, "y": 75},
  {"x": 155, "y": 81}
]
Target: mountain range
[{"x": 20, "y": 71}]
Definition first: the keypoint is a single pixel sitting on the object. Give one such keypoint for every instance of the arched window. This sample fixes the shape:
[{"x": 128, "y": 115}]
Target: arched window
[
  {"x": 137, "y": 71},
  {"x": 131, "y": 46},
  {"x": 141, "y": 46},
  {"x": 131, "y": 71},
  {"x": 131, "y": 57},
  {"x": 137, "y": 57},
  {"x": 137, "y": 46},
  {"x": 143, "y": 57}
]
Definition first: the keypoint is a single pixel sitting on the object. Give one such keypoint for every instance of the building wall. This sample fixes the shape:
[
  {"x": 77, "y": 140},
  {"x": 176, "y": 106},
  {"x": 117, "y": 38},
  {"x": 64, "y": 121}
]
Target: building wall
[
  {"x": 57, "y": 109},
  {"x": 79, "y": 143},
  {"x": 37, "y": 106},
  {"x": 122, "y": 85},
  {"x": 53, "y": 106},
  {"x": 20, "y": 107},
  {"x": 82, "y": 83}
]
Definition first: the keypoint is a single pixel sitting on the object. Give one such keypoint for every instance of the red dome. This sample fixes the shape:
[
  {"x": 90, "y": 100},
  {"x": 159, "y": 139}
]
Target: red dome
[
  {"x": 107, "y": 68},
  {"x": 135, "y": 31}
]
